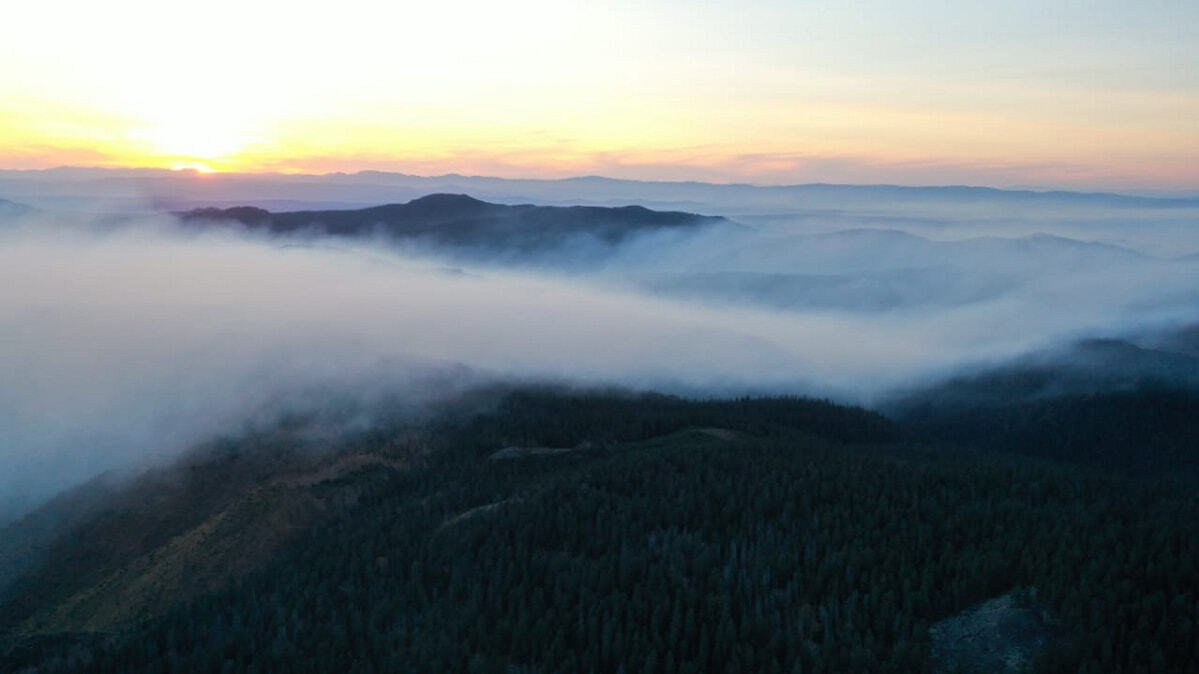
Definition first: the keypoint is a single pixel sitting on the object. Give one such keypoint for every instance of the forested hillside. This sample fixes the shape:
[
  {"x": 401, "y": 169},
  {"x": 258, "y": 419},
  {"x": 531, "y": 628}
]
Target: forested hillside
[
  {"x": 753, "y": 535},
  {"x": 1107, "y": 404}
]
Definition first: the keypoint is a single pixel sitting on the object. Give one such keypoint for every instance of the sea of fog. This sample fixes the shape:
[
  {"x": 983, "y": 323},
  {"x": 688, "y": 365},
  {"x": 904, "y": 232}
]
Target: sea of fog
[{"x": 126, "y": 338}]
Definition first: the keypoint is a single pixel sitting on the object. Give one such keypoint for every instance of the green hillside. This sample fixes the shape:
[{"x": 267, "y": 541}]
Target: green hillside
[{"x": 660, "y": 535}]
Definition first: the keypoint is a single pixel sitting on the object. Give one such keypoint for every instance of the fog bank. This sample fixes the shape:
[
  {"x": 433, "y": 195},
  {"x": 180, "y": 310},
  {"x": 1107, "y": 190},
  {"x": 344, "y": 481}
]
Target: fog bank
[{"x": 120, "y": 345}]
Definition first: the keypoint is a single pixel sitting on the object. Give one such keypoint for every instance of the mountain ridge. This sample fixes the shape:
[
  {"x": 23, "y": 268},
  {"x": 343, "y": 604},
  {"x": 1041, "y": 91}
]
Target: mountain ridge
[
  {"x": 93, "y": 173},
  {"x": 163, "y": 189}
]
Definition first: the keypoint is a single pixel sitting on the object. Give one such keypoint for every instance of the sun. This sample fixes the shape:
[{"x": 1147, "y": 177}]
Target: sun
[
  {"x": 197, "y": 166},
  {"x": 194, "y": 140},
  {"x": 198, "y": 137}
]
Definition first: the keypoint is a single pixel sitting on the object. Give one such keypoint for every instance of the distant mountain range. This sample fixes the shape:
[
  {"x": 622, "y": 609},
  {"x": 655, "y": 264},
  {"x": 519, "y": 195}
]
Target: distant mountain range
[
  {"x": 12, "y": 209},
  {"x": 873, "y": 269},
  {"x": 161, "y": 189},
  {"x": 457, "y": 220}
]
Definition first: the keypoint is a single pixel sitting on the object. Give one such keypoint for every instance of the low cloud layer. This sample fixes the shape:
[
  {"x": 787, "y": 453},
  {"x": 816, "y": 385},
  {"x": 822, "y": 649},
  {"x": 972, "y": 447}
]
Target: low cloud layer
[{"x": 125, "y": 344}]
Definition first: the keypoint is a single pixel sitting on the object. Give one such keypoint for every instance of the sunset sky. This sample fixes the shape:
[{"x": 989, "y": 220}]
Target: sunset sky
[{"x": 1087, "y": 95}]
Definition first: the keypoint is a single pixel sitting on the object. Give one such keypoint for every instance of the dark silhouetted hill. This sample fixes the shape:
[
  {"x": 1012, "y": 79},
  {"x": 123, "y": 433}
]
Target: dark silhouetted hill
[{"x": 460, "y": 221}]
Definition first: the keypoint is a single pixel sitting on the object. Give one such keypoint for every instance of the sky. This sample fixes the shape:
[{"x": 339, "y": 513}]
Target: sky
[{"x": 1075, "y": 95}]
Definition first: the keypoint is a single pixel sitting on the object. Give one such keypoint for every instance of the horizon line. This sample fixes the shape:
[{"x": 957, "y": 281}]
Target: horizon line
[{"x": 1147, "y": 194}]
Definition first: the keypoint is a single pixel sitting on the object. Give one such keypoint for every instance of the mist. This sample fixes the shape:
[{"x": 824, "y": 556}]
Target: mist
[{"x": 123, "y": 345}]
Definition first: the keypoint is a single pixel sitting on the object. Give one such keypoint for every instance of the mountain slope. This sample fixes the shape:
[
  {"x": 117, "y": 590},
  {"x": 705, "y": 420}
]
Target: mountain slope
[
  {"x": 676, "y": 535},
  {"x": 103, "y": 556},
  {"x": 111, "y": 552},
  {"x": 1106, "y": 403}
]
